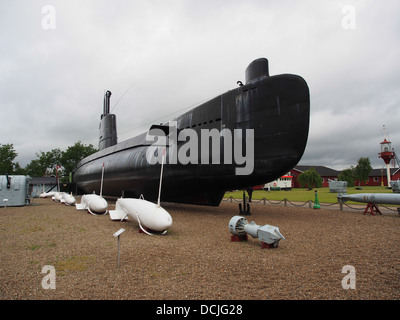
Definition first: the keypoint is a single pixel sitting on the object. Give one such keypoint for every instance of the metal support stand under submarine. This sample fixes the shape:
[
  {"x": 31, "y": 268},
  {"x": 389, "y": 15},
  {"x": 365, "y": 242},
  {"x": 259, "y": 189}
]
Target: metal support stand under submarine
[
  {"x": 245, "y": 210},
  {"x": 268, "y": 235}
]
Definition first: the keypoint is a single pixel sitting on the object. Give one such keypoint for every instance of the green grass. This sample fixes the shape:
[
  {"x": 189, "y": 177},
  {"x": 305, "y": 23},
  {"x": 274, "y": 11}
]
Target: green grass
[
  {"x": 33, "y": 247},
  {"x": 74, "y": 263},
  {"x": 303, "y": 195}
]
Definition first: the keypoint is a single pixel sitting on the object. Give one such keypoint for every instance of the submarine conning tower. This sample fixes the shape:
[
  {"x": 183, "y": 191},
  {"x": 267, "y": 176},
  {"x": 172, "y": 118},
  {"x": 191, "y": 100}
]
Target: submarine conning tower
[
  {"x": 256, "y": 69},
  {"x": 108, "y": 125}
]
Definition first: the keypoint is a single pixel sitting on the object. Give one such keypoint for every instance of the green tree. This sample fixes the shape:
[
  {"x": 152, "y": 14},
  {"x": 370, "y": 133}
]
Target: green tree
[
  {"x": 71, "y": 157},
  {"x": 348, "y": 175},
  {"x": 7, "y": 156},
  {"x": 362, "y": 170},
  {"x": 18, "y": 170},
  {"x": 310, "y": 178},
  {"x": 35, "y": 169},
  {"x": 46, "y": 164}
]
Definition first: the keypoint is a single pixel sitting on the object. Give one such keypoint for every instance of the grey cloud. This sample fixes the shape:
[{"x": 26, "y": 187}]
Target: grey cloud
[{"x": 174, "y": 54}]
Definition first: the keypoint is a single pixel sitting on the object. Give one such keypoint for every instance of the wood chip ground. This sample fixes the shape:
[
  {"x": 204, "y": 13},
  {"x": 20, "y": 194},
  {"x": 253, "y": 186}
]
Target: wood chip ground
[{"x": 196, "y": 259}]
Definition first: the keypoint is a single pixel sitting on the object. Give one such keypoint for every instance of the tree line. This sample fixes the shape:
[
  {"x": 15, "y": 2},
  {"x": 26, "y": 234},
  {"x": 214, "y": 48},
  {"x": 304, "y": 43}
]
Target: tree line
[
  {"x": 47, "y": 163},
  {"x": 311, "y": 179}
]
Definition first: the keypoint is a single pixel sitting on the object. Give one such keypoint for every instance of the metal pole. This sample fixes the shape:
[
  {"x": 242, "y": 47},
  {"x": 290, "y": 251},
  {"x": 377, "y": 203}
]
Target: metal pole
[
  {"x": 388, "y": 174},
  {"x": 101, "y": 183},
  {"x": 117, "y": 235},
  {"x": 159, "y": 188},
  {"x": 118, "y": 251}
]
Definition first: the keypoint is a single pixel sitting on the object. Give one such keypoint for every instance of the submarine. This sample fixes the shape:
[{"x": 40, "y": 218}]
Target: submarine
[{"x": 267, "y": 116}]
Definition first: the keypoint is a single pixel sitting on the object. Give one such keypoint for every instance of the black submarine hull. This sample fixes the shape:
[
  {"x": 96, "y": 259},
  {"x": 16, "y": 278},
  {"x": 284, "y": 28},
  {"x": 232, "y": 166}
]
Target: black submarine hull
[{"x": 276, "y": 108}]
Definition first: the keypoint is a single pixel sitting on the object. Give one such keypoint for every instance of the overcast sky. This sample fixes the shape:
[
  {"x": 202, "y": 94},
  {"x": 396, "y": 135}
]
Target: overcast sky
[{"x": 57, "y": 58}]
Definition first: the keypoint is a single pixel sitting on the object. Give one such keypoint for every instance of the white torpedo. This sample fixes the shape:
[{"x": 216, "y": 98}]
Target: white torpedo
[
  {"x": 48, "y": 194},
  {"x": 68, "y": 199},
  {"x": 62, "y": 197},
  {"x": 93, "y": 203},
  {"x": 57, "y": 196},
  {"x": 147, "y": 214}
]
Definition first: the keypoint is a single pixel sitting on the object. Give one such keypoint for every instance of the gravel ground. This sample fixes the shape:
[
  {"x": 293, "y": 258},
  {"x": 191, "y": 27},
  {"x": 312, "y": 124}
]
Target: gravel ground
[{"x": 196, "y": 259}]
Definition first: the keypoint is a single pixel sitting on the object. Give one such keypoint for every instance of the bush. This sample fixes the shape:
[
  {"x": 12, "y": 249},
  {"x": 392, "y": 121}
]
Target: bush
[{"x": 310, "y": 179}]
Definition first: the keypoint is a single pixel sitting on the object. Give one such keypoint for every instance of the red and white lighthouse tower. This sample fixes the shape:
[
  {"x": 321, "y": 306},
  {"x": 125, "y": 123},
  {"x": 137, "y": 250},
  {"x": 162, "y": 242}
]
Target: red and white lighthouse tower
[{"x": 387, "y": 154}]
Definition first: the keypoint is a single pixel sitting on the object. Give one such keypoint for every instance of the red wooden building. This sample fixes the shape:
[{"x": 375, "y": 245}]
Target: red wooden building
[
  {"x": 325, "y": 173},
  {"x": 375, "y": 177},
  {"x": 378, "y": 175}
]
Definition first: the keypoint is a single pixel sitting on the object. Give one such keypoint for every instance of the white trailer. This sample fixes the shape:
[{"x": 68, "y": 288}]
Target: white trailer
[{"x": 283, "y": 183}]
